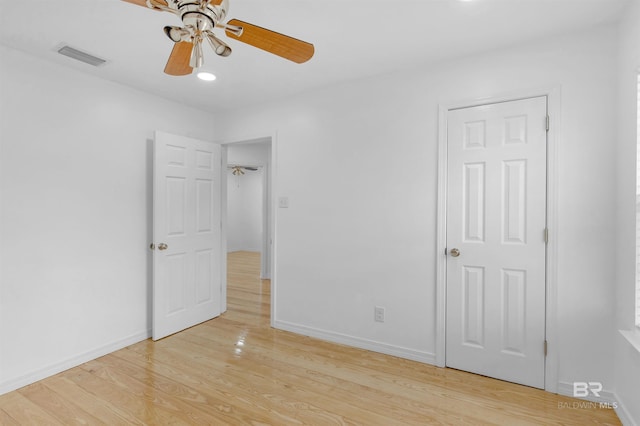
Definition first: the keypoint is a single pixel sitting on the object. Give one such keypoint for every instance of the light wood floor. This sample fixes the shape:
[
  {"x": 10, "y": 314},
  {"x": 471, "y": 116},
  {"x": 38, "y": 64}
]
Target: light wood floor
[{"x": 237, "y": 370}]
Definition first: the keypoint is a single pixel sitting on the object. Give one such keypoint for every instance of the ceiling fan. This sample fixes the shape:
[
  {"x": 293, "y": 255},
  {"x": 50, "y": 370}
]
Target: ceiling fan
[
  {"x": 200, "y": 17},
  {"x": 239, "y": 170}
]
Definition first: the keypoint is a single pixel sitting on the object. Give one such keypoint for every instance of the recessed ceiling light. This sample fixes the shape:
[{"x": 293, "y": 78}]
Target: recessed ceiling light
[{"x": 206, "y": 76}]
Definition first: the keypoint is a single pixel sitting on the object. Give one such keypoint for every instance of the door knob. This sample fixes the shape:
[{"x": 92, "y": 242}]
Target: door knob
[
  {"x": 162, "y": 246},
  {"x": 455, "y": 252}
]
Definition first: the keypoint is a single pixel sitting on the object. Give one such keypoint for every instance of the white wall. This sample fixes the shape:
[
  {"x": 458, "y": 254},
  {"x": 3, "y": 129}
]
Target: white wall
[
  {"x": 75, "y": 185},
  {"x": 244, "y": 211},
  {"x": 627, "y": 359},
  {"x": 359, "y": 165},
  {"x": 249, "y": 153}
]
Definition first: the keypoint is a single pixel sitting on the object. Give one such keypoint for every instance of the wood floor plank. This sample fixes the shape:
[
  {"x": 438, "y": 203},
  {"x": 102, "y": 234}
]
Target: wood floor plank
[
  {"x": 100, "y": 408},
  {"x": 25, "y": 412},
  {"x": 237, "y": 370},
  {"x": 57, "y": 406},
  {"x": 139, "y": 407},
  {"x": 7, "y": 420}
]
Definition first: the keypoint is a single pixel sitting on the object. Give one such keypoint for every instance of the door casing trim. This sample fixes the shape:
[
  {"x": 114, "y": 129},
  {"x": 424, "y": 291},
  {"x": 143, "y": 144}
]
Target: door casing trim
[{"x": 553, "y": 95}]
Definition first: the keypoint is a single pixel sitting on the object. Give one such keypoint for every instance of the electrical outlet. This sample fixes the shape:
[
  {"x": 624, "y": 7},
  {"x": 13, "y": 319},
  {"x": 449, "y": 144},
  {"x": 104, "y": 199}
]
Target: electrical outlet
[
  {"x": 378, "y": 314},
  {"x": 283, "y": 202}
]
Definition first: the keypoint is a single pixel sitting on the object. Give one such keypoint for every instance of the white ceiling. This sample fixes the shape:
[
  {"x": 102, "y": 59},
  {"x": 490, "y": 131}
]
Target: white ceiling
[{"x": 352, "y": 38}]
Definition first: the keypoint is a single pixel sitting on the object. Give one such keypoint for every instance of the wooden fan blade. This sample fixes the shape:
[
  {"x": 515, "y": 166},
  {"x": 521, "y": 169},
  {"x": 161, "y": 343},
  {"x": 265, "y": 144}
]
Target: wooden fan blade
[
  {"x": 143, "y": 3},
  {"x": 178, "y": 63},
  {"x": 270, "y": 41}
]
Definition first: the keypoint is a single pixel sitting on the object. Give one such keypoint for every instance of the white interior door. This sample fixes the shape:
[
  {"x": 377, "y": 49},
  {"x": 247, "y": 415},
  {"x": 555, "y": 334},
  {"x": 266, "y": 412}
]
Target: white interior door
[
  {"x": 496, "y": 249},
  {"x": 186, "y": 229}
]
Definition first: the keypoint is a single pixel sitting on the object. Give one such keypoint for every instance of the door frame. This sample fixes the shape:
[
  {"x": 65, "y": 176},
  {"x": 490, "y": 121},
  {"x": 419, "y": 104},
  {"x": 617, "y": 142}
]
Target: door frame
[
  {"x": 553, "y": 136},
  {"x": 269, "y": 178}
]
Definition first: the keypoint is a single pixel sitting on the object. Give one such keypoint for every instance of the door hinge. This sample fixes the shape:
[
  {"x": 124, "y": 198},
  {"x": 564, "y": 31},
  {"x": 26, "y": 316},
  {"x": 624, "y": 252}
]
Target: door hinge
[
  {"x": 546, "y": 235},
  {"x": 545, "y": 348},
  {"x": 547, "y": 123}
]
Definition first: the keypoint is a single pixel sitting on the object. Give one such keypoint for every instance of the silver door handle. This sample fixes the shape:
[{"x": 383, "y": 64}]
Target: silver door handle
[
  {"x": 455, "y": 252},
  {"x": 162, "y": 246}
]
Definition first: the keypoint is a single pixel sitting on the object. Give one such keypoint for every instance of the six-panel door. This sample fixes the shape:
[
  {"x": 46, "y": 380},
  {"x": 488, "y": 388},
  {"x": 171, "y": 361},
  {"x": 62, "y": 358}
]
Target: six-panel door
[
  {"x": 496, "y": 218},
  {"x": 186, "y": 270}
]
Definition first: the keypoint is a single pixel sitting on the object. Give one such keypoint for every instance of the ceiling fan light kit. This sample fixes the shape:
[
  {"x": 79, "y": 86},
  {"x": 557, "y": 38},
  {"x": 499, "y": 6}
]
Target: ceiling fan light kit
[
  {"x": 177, "y": 34},
  {"x": 201, "y": 17},
  {"x": 218, "y": 45}
]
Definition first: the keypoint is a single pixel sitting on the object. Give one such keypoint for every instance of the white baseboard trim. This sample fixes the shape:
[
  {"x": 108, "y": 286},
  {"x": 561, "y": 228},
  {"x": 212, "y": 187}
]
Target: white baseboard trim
[
  {"x": 43, "y": 373},
  {"x": 624, "y": 416},
  {"x": 357, "y": 342}
]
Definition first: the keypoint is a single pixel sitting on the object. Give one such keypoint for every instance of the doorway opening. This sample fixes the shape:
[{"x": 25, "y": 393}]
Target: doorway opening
[{"x": 247, "y": 212}]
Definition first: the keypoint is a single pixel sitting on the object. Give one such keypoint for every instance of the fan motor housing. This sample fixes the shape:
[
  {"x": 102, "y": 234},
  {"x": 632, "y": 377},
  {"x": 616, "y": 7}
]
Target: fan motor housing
[{"x": 202, "y": 18}]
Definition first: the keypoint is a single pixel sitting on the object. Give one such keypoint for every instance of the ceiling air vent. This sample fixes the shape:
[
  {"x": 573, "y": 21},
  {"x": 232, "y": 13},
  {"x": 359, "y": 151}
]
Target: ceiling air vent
[{"x": 81, "y": 56}]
